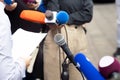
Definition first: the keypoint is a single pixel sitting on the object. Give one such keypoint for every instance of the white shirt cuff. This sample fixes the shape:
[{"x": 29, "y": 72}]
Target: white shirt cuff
[{"x": 2, "y": 5}]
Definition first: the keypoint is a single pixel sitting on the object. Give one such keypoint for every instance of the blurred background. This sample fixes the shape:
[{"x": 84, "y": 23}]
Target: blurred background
[
  {"x": 103, "y": 1},
  {"x": 101, "y": 31}
]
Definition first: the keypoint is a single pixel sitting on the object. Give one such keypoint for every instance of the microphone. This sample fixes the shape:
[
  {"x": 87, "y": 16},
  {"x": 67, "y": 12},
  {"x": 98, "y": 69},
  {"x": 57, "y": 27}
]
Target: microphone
[
  {"x": 62, "y": 17},
  {"x": 59, "y": 39},
  {"x": 33, "y": 16},
  {"x": 39, "y": 17},
  {"x": 49, "y": 14},
  {"x": 8, "y": 2},
  {"x": 79, "y": 61},
  {"x": 50, "y": 17},
  {"x": 59, "y": 18},
  {"x": 89, "y": 71},
  {"x": 109, "y": 67}
]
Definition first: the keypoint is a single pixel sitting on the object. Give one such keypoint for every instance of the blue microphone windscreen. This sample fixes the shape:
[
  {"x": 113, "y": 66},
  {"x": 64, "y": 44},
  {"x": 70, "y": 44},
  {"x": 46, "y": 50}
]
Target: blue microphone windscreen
[
  {"x": 42, "y": 7},
  {"x": 86, "y": 67},
  {"x": 8, "y": 2},
  {"x": 62, "y": 17}
]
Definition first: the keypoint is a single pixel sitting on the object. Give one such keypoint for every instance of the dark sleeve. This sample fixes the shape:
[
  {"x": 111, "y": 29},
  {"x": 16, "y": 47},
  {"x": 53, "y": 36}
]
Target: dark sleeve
[
  {"x": 84, "y": 15},
  {"x": 52, "y": 5}
]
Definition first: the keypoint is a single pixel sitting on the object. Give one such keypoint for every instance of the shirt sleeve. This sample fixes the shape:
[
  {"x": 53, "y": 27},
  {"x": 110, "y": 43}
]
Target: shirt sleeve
[
  {"x": 9, "y": 69},
  {"x": 84, "y": 15},
  {"x": 52, "y": 5}
]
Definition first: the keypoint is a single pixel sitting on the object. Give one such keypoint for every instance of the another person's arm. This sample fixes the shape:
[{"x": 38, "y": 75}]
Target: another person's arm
[
  {"x": 83, "y": 15},
  {"x": 52, "y": 5},
  {"x": 9, "y": 69}
]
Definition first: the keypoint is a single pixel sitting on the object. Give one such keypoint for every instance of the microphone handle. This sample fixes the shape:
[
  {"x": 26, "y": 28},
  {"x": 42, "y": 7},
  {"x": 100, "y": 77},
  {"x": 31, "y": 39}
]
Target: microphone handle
[
  {"x": 115, "y": 76},
  {"x": 70, "y": 56}
]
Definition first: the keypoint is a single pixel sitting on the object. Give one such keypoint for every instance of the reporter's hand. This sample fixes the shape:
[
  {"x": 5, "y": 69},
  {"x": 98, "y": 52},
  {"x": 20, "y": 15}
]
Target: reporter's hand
[
  {"x": 11, "y": 7},
  {"x": 32, "y": 5},
  {"x": 54, "y": 26},
  {"x": 27, "y": 60},
  {"x": 1, "y": 0}
]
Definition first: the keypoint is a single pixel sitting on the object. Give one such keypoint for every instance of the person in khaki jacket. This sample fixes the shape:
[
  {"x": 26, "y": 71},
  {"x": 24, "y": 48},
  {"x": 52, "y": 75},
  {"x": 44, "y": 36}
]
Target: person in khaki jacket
[{"x": 80, "y": 12}]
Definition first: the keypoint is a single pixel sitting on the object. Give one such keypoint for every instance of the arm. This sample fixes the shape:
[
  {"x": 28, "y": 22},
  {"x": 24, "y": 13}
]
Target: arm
[
  {"x": 84, "y": 15},
  {"x": 9, "y": 69},
  {"x": 52, "y": 5}
]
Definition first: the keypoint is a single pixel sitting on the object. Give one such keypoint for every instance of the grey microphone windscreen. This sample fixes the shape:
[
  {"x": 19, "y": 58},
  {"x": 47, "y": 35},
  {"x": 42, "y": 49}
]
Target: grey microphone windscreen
[
  {"x": 59, "y": 39},
  {"x": 49, "y": 14}
]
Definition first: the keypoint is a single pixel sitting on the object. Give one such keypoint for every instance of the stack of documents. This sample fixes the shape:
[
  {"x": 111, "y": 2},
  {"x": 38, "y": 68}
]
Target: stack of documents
[{"x": 25, "y": 42}]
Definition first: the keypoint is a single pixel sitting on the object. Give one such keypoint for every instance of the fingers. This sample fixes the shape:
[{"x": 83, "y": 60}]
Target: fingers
[
  {"x": 11, "y": 7},
  {"x": 2, "y": 0},
  {"x": 32, "y": 5},
  {"x": 27, "y": 60},
  {"x": 54, "y": 26}
]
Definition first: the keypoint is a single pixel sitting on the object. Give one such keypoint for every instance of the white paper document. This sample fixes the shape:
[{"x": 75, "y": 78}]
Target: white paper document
[{"x": 25, "y": 42}]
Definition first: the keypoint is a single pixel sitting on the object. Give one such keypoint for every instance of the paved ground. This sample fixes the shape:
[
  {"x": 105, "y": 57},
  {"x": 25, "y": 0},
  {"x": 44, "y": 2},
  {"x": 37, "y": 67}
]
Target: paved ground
[{"x": 102, "y": 32}]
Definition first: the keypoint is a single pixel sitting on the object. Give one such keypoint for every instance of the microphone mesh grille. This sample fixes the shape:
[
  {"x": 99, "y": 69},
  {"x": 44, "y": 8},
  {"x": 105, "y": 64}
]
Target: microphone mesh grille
[{"x": 59, "y": 39}]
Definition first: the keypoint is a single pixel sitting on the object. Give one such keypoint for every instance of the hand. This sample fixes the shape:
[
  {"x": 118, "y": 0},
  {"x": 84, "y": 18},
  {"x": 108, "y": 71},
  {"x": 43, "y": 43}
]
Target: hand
[
  {"x": 32, "y": 5},
  {"x": 2, "y": 0},
  {"x": 11, "y": 7},
  {"x": 27, "y": 60},
  {"x": 54, "y": 26}
]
